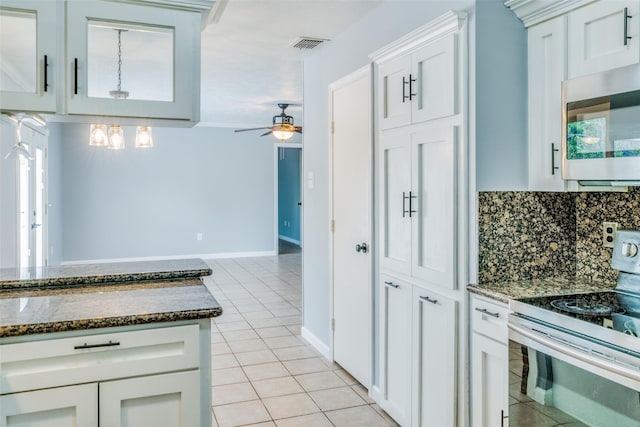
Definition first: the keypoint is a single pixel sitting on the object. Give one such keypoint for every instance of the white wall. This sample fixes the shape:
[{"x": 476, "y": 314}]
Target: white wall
[
  {"x": 343, "y": 55},
  {"x": 140, "y": 203}
]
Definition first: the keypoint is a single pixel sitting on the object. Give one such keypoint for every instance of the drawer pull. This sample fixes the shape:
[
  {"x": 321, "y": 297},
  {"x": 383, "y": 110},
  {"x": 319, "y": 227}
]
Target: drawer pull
[
  {"x": 391, "y": 285},
  {"x": 85, "y": 345},
  {"x": 485, "y": 311},
  {"x": 427, "y": 299}
]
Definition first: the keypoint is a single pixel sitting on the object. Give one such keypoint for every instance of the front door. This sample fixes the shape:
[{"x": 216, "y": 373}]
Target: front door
[{"x": 352, "y": 231}]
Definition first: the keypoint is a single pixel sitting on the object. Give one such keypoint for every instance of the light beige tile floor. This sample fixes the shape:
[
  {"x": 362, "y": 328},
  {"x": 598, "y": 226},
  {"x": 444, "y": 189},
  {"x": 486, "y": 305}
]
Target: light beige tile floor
[{"x": 264, "y": 372}]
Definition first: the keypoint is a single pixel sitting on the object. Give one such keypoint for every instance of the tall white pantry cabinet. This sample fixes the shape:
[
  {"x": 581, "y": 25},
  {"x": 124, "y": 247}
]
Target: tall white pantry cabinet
[{"x": 421, "y": 210}]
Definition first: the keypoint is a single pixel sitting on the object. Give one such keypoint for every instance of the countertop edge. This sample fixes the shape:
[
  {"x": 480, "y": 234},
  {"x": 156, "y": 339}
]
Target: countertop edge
[
  {"x": 110, "y": 279},
  {"x": 107, "y": 322}
]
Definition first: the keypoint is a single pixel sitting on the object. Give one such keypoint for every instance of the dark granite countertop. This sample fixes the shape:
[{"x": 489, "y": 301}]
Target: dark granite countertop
[
  {"x": 109, "y": 273},
  {"x": 25, "y": 311},
  {"x": 505, "y": 291}
]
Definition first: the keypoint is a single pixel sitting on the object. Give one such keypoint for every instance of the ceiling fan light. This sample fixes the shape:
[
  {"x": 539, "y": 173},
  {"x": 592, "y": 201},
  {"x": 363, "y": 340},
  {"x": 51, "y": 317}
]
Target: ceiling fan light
[
  {"x": 144, "y": 137},
  {"x": 116, "y": 138},
  {"x": 98, "y": 136},
  {"x": 283, "y": 132}
]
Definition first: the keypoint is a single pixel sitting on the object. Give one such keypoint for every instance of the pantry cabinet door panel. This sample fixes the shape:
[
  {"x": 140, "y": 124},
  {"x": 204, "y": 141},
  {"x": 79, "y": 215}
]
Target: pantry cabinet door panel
[
  {"x": 61, "y": 407},
  {"x": 434, "y": 184},
  {"x": 395, "y": 348},
  {"x": 597, "y": 37},
  {"x": 395, "y": 167},
  {"x": 434, "y": 363},
  {"x": 393, "y": 89},
  {"x": 435, "y": 72}
]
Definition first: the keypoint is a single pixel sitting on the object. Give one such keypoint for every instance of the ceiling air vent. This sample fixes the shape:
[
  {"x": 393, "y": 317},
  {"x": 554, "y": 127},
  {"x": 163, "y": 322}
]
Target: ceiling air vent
[{"x": 307, "y": 42}]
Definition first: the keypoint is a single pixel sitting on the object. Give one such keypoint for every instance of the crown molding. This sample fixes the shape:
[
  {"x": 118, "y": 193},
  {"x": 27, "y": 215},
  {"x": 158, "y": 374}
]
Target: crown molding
[
  {"x": 450, "y": 22},
  {"x": 532, "y": 12}
]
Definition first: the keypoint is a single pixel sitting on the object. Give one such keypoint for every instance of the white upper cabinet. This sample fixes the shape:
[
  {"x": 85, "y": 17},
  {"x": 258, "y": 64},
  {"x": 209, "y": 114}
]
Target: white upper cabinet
[
  {"x": 418, "y": 75},
  {"x": 603, "y": 35},
  {"x": 130, "y": 60},
  {"x": 28, "y": 55},
  {"x": 95, "y": 57},
  {"x": 547, "y": 70},
  {"x": 433, "y": 80}
]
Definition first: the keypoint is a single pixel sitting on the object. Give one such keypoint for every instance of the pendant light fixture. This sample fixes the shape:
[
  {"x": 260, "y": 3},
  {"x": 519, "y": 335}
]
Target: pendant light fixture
[
  {"x": 116, "y": 138},
  {"x": 144, "y": 137},
  {"x": 99, "y": 136}
]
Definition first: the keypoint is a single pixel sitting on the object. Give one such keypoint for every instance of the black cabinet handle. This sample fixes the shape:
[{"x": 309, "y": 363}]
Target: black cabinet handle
[
  {"x": 106, "y": 344},
  {"x": 427, "y": 299},
  {"x": 75, "y": 76},
  {"x": 404, "y": 85},
  {"x": 411, "y": 197},
  {"x": 404, "y": 210},
  {"x": 554, "y": 150},
  {"x": 391, "y": 285},
  {"x": 411, "y": 94},
  {"x": 46, "y": 74},
  {"x": 626, "y": 26}
]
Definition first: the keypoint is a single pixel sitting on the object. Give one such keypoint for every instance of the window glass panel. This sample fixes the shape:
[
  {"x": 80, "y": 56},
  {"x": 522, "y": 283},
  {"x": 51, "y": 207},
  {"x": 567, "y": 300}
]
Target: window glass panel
[
  {"x": 142, "y": 53},
  {"x": 18, "y": 51}
]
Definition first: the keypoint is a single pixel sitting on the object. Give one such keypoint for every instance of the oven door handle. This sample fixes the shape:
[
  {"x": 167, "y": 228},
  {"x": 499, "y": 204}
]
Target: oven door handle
[{"x": 573, "y": 351}]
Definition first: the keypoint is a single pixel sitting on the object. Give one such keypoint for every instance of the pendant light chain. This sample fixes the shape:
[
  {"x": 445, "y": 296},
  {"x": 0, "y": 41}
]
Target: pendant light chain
[{"x": 119, "y": 60}]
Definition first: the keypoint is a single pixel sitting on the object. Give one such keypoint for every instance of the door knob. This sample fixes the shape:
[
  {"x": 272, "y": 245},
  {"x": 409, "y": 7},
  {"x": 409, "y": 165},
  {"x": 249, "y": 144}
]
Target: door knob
[{"x": 362, "y": 247}]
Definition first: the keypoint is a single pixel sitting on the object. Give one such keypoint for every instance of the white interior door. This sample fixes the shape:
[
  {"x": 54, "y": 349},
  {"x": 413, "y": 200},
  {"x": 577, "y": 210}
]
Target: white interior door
[
  {"x": 352, "y": 207},
  {"x": 32, "y": 201}
]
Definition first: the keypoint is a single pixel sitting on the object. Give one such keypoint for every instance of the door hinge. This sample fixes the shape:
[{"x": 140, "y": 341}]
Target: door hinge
[
  {"x": 333, "y": 127},
  {"x": 332, "y": 226},
  {"x": 333, "y": 324}
]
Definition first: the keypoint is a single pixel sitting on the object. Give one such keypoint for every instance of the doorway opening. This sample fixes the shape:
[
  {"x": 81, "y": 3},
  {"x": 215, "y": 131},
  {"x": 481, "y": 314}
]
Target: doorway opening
[{"x": 288, "y": 195}]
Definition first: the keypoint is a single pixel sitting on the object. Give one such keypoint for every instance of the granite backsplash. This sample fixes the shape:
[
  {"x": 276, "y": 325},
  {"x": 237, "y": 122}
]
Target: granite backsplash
[{"x": 529, "y": 235}]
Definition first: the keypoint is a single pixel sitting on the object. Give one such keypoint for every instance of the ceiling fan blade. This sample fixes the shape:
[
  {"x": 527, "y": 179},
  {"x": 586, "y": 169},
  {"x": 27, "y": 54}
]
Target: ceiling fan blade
[
  {"x": 299, "y": 129},
  {"x": 244, "y": 130},
  {"x": 266, "y": 133}
]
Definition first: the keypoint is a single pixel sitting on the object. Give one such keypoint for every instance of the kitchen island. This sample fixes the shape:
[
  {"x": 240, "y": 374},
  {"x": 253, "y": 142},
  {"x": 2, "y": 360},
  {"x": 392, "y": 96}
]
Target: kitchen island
[{"x": 107, "y": 344}]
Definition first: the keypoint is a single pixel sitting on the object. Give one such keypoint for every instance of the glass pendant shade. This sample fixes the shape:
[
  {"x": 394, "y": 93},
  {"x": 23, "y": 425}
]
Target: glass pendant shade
[
  {"x": 144, "y": 137},
  {"x": 99, "y": 136},
  {"x": 116, "y": 138},
  {"x": 283, "y": 132}
]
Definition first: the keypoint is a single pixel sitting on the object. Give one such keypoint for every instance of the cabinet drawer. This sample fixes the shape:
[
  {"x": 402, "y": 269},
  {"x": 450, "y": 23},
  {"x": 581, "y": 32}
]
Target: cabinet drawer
[
  {"x": 89, "y": 358},
  {"x": 489, "y": 318}
]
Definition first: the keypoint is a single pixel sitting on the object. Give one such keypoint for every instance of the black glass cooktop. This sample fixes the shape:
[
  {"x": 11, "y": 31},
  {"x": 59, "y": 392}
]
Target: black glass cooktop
[{"x": 612, "y": 309}]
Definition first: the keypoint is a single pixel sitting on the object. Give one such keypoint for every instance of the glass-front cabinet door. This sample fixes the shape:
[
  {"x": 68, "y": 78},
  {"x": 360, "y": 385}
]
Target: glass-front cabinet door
[
  {"x": 28, "y": 55},
  {"x": 130, "y": 60}
]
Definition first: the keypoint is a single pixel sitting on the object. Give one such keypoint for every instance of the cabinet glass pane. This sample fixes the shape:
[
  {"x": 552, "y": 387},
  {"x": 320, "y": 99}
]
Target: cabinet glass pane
[
  {"x": 130, "y": 61},
  {"x": 18, "y": 51}
]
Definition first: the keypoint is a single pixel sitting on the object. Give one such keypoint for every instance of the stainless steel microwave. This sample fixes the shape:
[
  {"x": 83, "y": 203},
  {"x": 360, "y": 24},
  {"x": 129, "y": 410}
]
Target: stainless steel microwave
[{"x": 601, "y": 127}]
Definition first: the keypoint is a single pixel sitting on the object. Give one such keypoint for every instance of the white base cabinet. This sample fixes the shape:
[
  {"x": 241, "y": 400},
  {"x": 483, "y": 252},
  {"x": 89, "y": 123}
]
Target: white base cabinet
[
  {"x": 131, "y": 376},
  {"x": 434, "y": 331},
  {"x": 489, "y": 363},
  {"x": 72, "y": 406},
  {"x": 418, "y": 331}
]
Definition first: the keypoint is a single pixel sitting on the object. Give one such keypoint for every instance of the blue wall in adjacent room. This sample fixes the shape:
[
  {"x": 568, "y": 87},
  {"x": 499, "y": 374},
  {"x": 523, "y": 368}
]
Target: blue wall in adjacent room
[{"x": 289, "y": 194}]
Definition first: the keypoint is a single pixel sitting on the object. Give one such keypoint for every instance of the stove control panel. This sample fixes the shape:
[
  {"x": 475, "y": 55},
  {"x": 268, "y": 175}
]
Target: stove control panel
[{"x": 626, "y": 251}]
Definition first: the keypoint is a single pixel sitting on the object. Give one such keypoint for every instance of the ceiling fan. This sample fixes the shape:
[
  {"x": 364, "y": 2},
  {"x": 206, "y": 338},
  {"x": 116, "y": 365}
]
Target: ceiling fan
[{"x": 282, "y": 127}]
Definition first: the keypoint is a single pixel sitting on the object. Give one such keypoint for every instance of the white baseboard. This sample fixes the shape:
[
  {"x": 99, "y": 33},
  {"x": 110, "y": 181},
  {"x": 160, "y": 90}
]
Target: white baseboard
[
  {"x": 316, "y": 343},
  {"x": 289, "y": 239},
  {"x": 172, "y": 257}
]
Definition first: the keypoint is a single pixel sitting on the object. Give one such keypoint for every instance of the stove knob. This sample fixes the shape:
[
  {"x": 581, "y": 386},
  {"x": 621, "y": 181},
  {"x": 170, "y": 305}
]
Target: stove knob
[{"x": 629, "y": 249}]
